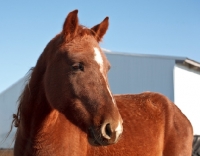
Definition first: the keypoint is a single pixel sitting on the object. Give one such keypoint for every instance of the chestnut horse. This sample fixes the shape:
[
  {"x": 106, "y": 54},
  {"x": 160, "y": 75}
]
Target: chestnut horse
[{"x": 67, "y": 108}]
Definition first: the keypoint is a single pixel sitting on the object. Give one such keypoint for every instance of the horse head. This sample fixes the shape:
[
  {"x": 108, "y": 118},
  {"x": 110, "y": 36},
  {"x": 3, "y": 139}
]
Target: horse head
[{"x": 76, "y": 82}]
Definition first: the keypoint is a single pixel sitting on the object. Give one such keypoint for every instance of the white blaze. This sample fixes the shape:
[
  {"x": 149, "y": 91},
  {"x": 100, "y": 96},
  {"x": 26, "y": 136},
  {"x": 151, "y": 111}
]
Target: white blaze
[
  {"x": 98, "y": 58},
  {"x": 119, "y": 130}
]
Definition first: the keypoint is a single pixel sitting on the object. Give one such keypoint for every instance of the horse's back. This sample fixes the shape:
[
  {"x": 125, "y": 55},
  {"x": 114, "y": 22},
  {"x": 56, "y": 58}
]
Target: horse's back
[{"x": 153, "y": 126}]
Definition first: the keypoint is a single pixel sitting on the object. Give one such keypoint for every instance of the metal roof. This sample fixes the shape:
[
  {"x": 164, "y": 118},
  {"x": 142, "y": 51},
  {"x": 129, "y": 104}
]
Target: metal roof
[
  {"x": 181, "y": 60},
  {"x": 147, "y": 55}
]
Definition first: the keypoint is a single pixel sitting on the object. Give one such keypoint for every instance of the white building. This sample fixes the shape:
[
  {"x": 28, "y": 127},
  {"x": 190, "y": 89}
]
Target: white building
[{"x": 176, "y": 77}]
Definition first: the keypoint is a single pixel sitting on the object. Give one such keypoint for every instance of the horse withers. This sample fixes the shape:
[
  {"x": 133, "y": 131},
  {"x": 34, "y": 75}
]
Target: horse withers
[{"x": 67, "y": 107}]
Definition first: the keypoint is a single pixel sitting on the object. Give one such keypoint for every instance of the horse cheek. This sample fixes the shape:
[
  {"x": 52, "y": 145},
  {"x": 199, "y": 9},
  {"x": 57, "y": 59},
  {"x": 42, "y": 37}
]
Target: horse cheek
[{"x": 53, "y": 87}]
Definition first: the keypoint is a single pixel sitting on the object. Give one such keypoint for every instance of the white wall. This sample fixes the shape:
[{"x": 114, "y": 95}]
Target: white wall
[
  {"x": 187, "y": 94},
  {"x": 8, "y": 107}
]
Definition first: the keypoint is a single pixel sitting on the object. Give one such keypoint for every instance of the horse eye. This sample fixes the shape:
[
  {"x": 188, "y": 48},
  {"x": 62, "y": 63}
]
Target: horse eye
[{"x": 78, "y": 66}]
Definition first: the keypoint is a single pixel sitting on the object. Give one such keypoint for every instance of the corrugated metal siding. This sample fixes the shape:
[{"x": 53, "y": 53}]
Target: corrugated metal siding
[{"x": 135, "y": 74}]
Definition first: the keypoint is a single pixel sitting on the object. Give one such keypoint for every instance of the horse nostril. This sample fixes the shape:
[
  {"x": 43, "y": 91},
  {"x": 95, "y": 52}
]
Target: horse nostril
[{"x": 108, "y": 130}]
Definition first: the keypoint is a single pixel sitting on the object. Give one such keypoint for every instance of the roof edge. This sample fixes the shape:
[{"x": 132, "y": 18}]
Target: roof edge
[
  {"x": 179, "y": 60},
  {"x": 192, "y": 62},
  {"x": 146, "y": 55}
]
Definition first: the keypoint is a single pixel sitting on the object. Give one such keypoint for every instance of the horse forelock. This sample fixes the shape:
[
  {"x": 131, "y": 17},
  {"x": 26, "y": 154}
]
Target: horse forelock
[{"x": 80, "y": 32}]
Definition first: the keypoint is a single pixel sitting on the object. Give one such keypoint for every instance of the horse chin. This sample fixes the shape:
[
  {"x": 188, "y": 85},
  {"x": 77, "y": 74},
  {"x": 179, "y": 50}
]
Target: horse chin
[{"x": 96, "y": 139}]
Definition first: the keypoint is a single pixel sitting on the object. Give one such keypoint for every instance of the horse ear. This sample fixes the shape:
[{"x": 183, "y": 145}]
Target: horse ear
[
  {"x": 100, "y": 29},
  {"x": 70, "y": 25}
]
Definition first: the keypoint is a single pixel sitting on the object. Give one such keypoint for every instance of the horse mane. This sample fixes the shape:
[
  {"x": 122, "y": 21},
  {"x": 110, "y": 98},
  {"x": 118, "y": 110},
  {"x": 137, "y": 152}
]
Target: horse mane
[{"x": 16, "y": 117}]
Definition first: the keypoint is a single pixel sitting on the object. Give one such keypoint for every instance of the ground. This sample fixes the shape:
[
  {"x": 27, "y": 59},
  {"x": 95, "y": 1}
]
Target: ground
[{"x": 6, "y": 152}]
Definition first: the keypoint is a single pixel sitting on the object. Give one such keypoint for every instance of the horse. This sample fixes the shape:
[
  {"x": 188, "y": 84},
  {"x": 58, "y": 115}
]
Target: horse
[
  {"x": 67, "y": 107},
  {"x": 68, "y": 96}
]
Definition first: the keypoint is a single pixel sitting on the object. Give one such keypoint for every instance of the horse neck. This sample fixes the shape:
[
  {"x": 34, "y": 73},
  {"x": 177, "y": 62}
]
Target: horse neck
[
  {"x": 58, "y": 136},
  {"x": 45, "y": 131}
]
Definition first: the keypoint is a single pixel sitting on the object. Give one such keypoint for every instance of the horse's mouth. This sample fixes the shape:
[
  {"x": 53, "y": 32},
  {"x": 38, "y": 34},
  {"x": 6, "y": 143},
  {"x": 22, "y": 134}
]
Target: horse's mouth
[{"x": 95, "y": 138}]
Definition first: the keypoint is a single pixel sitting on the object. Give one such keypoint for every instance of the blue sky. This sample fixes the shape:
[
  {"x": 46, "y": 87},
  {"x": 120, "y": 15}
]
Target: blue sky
[{"x": 168, "y": 27}]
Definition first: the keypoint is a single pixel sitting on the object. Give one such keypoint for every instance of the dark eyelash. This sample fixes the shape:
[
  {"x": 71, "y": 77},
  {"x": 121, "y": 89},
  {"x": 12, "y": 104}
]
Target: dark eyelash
[{"x": 78, "y": 66}]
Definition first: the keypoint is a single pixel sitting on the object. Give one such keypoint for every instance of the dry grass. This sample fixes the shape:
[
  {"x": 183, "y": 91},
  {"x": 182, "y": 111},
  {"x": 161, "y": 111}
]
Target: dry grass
[{"x": 6, "y": 152}]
